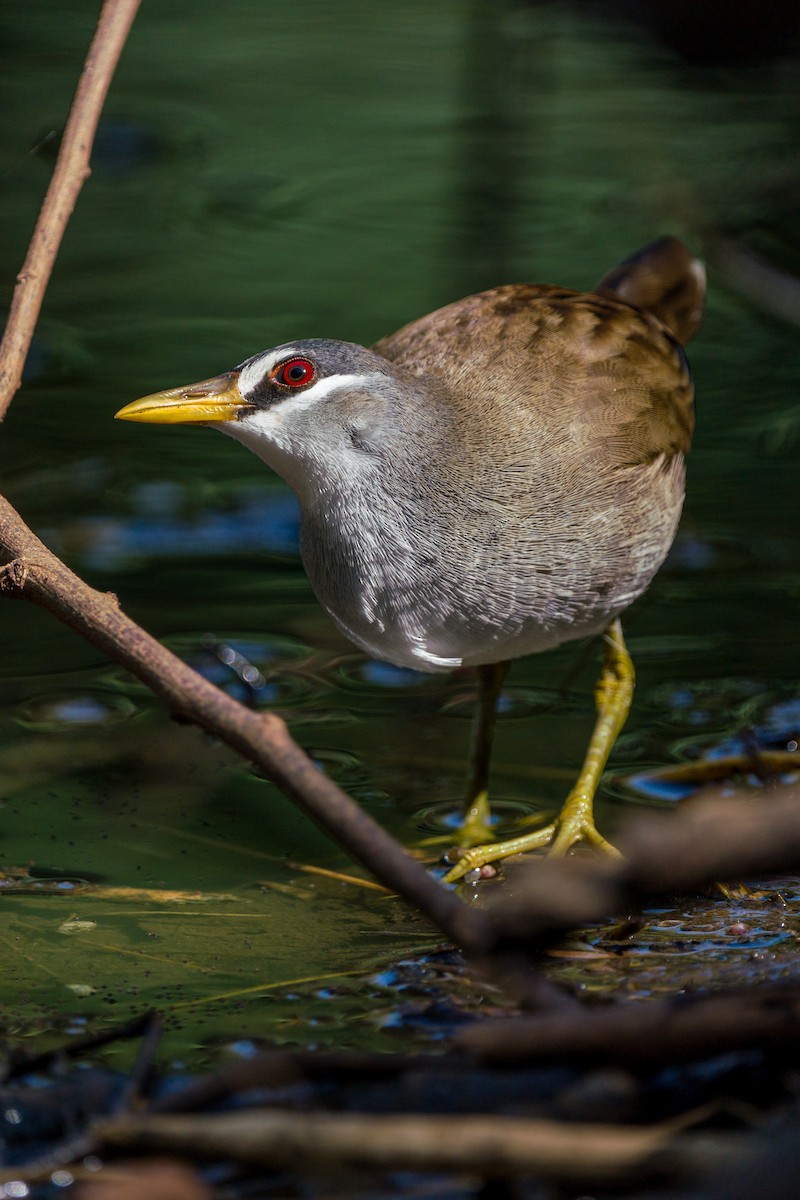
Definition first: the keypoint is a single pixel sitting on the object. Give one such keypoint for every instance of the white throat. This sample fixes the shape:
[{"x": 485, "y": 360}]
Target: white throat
[{"x": 299, "y": 438}]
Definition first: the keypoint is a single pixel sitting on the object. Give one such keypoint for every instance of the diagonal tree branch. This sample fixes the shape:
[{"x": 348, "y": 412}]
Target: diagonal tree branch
[
  {"x": 72, "y": 168},
  {"x": 36, "y": 574}
]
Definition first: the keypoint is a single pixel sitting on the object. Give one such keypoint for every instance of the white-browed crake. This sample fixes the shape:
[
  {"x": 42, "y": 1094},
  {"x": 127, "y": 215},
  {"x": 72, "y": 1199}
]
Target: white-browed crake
[{"x": 496, "y": 478}]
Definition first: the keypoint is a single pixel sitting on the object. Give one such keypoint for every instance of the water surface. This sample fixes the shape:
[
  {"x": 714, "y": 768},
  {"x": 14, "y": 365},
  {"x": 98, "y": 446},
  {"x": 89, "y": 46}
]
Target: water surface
[{"x": 277, "y": 171}]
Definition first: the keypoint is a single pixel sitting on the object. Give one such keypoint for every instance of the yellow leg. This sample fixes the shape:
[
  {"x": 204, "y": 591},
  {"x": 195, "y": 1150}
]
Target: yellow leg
[
  {"x": 576, "y": 821},
  {"x": 476, "y": 827}
]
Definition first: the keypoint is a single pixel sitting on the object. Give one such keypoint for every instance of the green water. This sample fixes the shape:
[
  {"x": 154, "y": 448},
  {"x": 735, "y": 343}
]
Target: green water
[{"x": 272, "y": 171}]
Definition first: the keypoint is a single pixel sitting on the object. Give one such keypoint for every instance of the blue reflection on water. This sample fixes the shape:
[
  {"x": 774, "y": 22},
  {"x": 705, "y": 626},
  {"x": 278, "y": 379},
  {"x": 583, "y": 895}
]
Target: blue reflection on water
[{"x": 267, "y": 523}]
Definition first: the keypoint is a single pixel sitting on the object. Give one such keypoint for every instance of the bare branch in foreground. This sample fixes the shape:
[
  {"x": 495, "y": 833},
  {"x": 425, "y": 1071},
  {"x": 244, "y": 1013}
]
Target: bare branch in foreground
[
  {"x": 715, "y": 838},
  {"x": 706, "y": 842},
  {"x": 484, "y": 1145},
  {"x": 72, "y": 168},
  {"x": 645, "y": 1036},
  {"x": 38, "y": 575}
]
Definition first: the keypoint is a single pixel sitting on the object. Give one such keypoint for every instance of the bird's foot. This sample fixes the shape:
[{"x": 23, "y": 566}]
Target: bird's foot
[
  {"x": 575, "y": 824},
  {"x": 476, "y": 827}
]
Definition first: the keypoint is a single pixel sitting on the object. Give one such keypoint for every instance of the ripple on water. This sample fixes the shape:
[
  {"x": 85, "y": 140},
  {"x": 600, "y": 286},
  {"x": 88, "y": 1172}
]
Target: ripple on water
[
  {"x": 257, "y": 671},
  {"x": 341, "y": 766},
  {"x": 57, "y": 712},
  {"x": 508, "y": 816},
  {"x": 515, "y": 702},
  {"x": 345, "y": 769},
  {"x": 715, "y": 704},
  {"x": 355, "y": 673},
  {"x": 650, "y": 787}
]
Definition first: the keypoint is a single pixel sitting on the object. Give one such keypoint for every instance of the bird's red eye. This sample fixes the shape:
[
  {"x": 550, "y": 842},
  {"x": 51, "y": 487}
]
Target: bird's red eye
[{"x": 297, "y": 372}]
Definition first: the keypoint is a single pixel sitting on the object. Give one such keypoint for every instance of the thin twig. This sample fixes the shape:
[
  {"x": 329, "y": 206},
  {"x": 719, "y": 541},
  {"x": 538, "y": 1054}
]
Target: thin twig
[{"x": 72, "y": 168}]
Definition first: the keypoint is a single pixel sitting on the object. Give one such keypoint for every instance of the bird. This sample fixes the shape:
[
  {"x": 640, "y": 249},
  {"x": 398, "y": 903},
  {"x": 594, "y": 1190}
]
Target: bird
[{"x": 497, "y": 478}]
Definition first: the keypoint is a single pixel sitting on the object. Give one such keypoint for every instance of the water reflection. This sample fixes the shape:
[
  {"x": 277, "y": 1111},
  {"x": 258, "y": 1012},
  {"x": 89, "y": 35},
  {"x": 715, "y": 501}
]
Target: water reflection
[{"x": 163, "y": 525}]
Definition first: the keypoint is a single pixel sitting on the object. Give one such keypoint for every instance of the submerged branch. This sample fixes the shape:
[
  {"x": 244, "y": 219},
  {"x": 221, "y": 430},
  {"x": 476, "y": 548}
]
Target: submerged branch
[{"x": 322, "y": 1142}]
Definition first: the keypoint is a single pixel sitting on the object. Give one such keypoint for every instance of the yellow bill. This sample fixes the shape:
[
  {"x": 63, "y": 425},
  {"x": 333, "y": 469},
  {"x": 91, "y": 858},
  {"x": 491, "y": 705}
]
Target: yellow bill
[{"x": 217, "y": 399}]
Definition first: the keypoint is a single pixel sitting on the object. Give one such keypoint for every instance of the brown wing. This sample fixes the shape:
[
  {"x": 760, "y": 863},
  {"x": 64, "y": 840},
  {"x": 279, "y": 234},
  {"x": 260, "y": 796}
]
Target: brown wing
[{"x": 581, "y": 365}]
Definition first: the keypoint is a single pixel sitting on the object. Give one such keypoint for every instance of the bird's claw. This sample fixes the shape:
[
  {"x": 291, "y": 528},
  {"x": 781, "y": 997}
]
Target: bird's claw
[{"x": 560, "y": 836}]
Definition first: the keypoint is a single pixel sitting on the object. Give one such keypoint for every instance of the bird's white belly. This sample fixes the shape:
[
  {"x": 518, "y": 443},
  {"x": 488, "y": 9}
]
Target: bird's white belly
[
  {"x": 406, "y": 644},
  {"x": 437, "y": 604},
  {"x": 431, "y": 634}
]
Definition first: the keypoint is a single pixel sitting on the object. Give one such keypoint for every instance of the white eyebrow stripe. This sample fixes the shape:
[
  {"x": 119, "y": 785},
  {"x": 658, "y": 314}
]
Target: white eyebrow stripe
[
  {"x": 308, "y": 397},
  {"x": 333, "y": 383},
  {"x": 257, "y": 371}
]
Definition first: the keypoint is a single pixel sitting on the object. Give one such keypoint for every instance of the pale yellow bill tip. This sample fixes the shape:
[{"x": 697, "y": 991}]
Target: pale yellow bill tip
[{"x": 217, "y": 399}]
